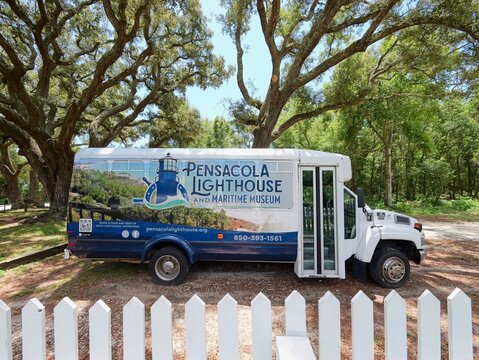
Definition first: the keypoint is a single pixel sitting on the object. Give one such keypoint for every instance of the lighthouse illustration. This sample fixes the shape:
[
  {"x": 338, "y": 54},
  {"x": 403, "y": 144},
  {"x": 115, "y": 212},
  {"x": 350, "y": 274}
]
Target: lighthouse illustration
[{"x": 166, "y": 191}]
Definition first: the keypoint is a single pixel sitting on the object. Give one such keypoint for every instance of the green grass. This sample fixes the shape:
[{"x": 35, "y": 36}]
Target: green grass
[
  {"x": 464, "y": 209},
  {"x": 21, "y": 213},
  {"x": 21, "y": 239},
  {"x": 29, "y": 291}
]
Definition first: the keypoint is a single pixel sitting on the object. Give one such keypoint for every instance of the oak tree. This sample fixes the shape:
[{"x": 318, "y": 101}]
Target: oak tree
[
  {"x": 93, "y": 69},
  {"x": 306, "y": 40}
]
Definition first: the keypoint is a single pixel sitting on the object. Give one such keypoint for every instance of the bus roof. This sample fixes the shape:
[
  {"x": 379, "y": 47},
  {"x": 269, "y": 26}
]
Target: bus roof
[{"x": 304, "y": 157}]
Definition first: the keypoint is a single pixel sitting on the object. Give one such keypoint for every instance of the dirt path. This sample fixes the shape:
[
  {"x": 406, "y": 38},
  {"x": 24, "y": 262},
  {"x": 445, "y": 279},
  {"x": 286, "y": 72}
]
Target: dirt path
[
  {"x": 441, "y": 230},
  {"x": 453, "y": 255}
]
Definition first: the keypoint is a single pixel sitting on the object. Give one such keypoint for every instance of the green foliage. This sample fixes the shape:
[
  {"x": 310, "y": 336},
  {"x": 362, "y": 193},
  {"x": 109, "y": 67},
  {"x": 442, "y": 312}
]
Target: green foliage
[
  {"x": 433, "y": 140},
  {"x": 180, "y": 215},
  {"x": 99, "y": 73},
  {"x": 308, "y": 42},
  {"x": 178, "y": 125},
  {"x": 97, "y": 271},
  {"x": 223, "y": 135},
  {"x": 464, "y": 204},
  {"x": 464, "y": 209},
  {"x": 438, "y": 174},
  {"x": 94, "y": 188}
]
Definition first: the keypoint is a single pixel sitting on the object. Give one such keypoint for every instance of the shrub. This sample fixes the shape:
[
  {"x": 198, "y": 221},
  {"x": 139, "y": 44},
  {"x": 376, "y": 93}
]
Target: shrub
[{"x": 463, "y": 204}]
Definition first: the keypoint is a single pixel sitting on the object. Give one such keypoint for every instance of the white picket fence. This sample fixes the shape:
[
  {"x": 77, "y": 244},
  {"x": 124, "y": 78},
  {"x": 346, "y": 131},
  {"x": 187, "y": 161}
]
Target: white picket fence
[{"x": 460, "y": 339}]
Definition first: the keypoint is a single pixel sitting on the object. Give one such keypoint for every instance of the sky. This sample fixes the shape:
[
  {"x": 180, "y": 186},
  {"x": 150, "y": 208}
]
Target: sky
[{"x": 257, "y": 68}]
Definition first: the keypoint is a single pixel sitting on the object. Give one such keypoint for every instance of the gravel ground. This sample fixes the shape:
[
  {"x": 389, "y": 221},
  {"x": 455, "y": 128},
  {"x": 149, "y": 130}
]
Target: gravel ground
[
  {"x": 450, "y": 264},
  {"x": 440, "y": 230}
]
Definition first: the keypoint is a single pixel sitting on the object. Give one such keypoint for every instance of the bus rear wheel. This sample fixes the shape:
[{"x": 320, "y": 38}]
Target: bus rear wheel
[
  {"x": 168, "y": 266},
  {"x": 389, "y": 268}
]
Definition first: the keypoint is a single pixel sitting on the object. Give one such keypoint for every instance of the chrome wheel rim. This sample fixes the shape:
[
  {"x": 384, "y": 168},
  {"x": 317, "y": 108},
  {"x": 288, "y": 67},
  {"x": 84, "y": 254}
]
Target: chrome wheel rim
[
  {"x": 167, "y": 267},
  {"x": 394, "y": 269}
]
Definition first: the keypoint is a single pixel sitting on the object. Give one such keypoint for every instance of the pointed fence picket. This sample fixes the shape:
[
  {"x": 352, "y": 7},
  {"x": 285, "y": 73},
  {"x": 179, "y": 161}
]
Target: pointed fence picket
[
  {"x": 134, "y": 330},
  {"x": 228, "y": 328},
  {"x": 329, "y": 327},
  {"x": 428, "y": 327},
  {"x": 395, "y": 331},
  {"x": 362, "y": 327},
  {"x": 460, "y": 325},
  {"x": 261, "y": 327},
  {"x": 5, "y": 332},
  {"x": 66, "y": 327},
  {"x": 100, "y": 343},
  {"x": 195, "y": 326},
  {"x": 161, "y": 329},
  {"x": 100, "y": 331},
  {"x": 295, "y": 315},
  {"x": 33, "y": 331}
]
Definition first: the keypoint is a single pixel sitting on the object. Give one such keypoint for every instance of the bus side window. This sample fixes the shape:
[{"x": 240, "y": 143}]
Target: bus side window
[{"x": 349, "y": 215}]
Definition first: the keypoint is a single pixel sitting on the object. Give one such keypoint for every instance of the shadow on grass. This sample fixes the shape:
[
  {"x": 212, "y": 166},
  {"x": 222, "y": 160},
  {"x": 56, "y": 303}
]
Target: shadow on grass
[
  {"x": 28, "y": 238},
  {"x": 56, "y": 278},
  {"x": 92, "y": 273},
  {"x": 17, "y": 215}
]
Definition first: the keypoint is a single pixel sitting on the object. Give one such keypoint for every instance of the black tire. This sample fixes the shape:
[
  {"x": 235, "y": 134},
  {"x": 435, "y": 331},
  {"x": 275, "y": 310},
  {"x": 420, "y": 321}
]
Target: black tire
[
  {"x": 389, "y": 268},
  {"x": 169, "y": 266}
]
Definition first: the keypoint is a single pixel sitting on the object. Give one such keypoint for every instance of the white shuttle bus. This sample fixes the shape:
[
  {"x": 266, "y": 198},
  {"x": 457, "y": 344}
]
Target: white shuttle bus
[{"x": 174, "y": 207}]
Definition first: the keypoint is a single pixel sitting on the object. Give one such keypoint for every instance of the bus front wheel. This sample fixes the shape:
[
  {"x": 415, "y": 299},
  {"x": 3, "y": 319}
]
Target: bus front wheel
[
  {"x": 168, "y": 266},
  {"x": 389, "y": 268}
]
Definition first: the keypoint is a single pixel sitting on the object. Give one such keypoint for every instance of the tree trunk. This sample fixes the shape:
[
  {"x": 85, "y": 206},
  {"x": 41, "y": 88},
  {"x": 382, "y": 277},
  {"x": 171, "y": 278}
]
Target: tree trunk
[
  {"x": 459, "y": 179},
  {"x": 269, "y": 115},
  {"x": 42, "y": 197},
  {"x": 11, "y": 175},
  {"x": 12, "y": 191},
  {"x": 408, "y": 175},
  {"x": 371, "y": 178},
  {"x": 61, "y": 185},
  {"x": 262, "y": 135},
  {"x": 53, "y": 168},
  {"x": 33, "y": 189},
  {"x": 469, "y": 176},
  {"x": 388, "y": 176}
]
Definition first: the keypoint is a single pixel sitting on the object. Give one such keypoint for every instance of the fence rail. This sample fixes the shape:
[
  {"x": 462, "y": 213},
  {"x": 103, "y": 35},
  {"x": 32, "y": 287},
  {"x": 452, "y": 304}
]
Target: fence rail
[{"x": 65, "y": 314}]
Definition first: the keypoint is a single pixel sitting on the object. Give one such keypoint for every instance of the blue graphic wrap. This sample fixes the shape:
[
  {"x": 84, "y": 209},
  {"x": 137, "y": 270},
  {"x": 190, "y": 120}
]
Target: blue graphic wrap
[{"x": 109, "y": 239}]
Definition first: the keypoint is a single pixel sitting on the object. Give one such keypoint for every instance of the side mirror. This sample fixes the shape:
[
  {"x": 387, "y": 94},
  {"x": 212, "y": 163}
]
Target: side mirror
[{"x": 361, "y": 201}]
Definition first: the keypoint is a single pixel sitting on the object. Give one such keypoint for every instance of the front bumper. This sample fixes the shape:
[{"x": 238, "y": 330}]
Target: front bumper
[{"x": 422, "y": 255}]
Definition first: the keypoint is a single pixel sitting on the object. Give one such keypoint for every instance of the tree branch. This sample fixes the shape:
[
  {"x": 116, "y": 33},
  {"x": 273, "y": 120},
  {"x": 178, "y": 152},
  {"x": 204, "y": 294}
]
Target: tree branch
[
  {"x": 20, "y": 12},
  {"x": 269, "y": 27},
  {"x": 18, "y": 67},
  {"x": 352, "y": 22},
  {"x": 360, "y": 45},
  {"x": 107, "y": 59},
  {"x": 360, "y": 99},
  {"x": 314, "y": 35},
  {"x": 239, "y": 72},
  {"x": 285, "y": 46},
  {"x": 93, "y": 128}
]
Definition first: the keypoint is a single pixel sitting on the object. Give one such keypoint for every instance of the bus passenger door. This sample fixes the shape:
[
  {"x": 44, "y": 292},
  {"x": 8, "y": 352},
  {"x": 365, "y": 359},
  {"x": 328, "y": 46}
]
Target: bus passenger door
[{"x": 317, "y": 247}]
